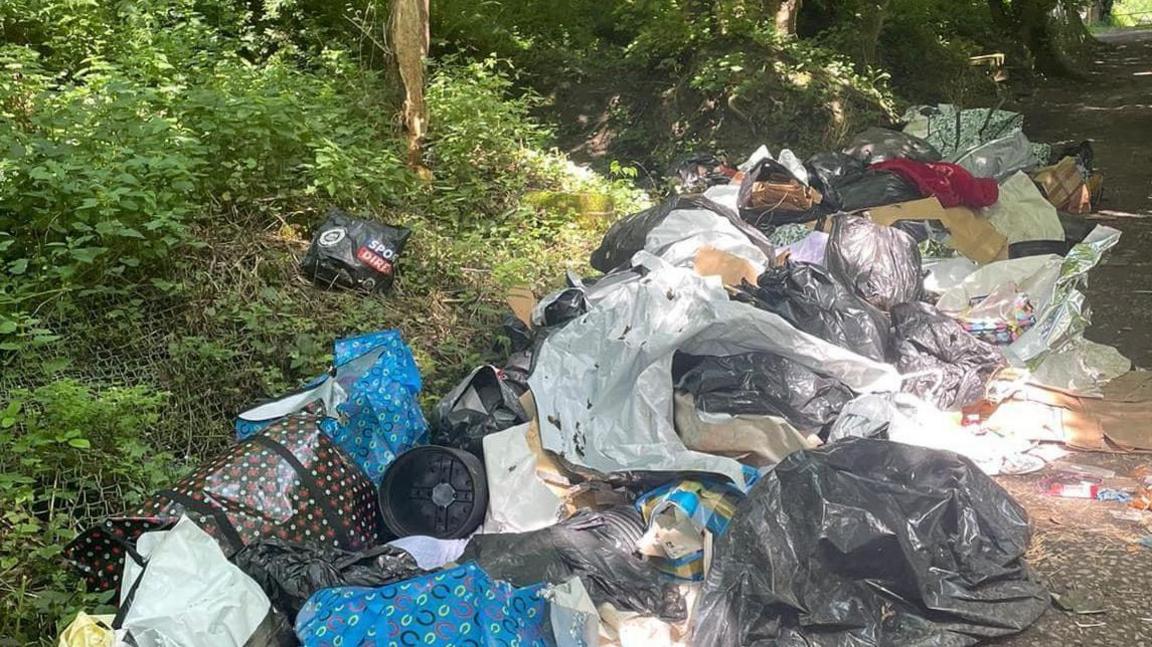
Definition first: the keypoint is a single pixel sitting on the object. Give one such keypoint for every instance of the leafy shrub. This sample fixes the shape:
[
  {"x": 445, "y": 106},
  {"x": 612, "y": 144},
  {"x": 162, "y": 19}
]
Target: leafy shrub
[{"x": 68, "y": 454}]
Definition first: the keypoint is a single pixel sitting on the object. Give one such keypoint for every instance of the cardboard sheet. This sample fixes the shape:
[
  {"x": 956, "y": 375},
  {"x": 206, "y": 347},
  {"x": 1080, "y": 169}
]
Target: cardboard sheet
[
  {"x": 1121, "y": 421},
  {"x": 970, "y": 234}
]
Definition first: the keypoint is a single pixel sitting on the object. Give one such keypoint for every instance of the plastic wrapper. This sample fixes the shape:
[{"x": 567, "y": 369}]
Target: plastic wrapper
[
  {"x": 876, "y": 189},
  {"x": 880, "y": 144},
  {"x": 596, "y": 546},
  {"x": 290, "y": 573},
  {"x": 941, "y": 362},
  {"x": 480, "y": 405},
  {"x": 682, "y": 517},
  {"x": 762, "y": 384},
  {"x": 617, "y": 360},
  {"x": 869, "y": 542},
  {"x": 1053, "y": 286},
  {"x": 808, "y": 297},
  {"x": 353, "y": 253},
  {"x": 185, "y": 592},
  {"x": 880, "y": 264},
  {"x": 676, "y": 229}
]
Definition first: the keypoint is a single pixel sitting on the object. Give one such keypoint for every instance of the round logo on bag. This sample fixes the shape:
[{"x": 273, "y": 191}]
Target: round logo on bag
[{"x": 332, "y": 236}]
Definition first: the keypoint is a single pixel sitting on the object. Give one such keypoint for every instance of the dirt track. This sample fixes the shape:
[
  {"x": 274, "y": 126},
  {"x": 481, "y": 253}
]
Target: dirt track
[{"x": 1079, "y": 543}]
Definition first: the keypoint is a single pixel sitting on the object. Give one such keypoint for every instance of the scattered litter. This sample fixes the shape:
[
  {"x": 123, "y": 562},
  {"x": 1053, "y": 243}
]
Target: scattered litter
[
  {"x": 772, "y": 419},
  {"x": 1078, "y": 602},
  {"x": 856, "y": 514}
]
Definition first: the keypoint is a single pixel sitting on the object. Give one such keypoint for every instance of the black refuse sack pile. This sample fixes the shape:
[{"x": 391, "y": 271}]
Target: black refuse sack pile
[
  {"x": 658, "y": 456},
  {"x": 867, "y": 542}
]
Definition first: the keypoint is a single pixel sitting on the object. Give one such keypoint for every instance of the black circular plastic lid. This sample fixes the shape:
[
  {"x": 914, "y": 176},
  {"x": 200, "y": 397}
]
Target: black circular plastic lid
[{"x": 437, "y": 491}]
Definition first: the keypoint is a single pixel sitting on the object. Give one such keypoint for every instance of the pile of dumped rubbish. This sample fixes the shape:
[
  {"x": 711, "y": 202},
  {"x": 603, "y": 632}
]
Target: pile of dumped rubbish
[{"x": 772, "y": 419}]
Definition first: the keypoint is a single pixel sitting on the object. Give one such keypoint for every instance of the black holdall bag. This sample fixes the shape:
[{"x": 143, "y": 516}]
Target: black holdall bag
[{"x": 353, "y": 253}]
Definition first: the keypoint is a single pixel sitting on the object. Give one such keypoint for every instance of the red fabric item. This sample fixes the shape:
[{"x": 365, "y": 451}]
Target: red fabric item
[{"x": 952, "y": 185}]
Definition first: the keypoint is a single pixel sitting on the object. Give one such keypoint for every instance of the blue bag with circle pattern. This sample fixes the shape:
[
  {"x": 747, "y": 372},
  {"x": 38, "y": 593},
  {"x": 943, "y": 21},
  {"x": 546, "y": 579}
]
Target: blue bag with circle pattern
[
  {"x": 369, "y": 401},
  {"x": 456, "y": 607}
]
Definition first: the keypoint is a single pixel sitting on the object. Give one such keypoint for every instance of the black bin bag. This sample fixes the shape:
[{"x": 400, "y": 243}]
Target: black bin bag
[
  {"x": 290, "y": 573},
  {"x": 880, "y": 264},
  {"x": 830, "y": 170},
  {"x": 761, "y": 384},
  {"x": 870, "y": 542},
  {"x": 627, "y": 236},
  {"x": 875, "y": 189},
  {"x": 941, "y": 362},
  {"x": 353, "y": 253},
  {"x": 812, "y": 300},
  {"x": 482, "y": 404},
  {"x": 598, "y": 546}
]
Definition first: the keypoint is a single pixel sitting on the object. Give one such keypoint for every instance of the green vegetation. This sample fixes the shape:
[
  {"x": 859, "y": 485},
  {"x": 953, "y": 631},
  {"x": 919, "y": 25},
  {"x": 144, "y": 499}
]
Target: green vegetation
[
  {"x": 162, "y": 163},
  {"x": 1130, "y": 13}
]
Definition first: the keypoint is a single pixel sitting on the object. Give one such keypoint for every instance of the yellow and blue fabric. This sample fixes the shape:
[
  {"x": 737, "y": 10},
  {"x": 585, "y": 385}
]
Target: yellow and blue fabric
[
  {"x": 458, "y": 607},
  {"x": 710, "y": 505},
  {"x": 369, "y": 400}
]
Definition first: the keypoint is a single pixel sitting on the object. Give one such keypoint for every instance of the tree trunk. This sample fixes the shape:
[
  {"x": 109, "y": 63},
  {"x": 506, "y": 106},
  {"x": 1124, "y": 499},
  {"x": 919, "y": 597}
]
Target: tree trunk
[
  {"x": 870, "y": 29},
  {"x": 408, "y": 27},
  {"x": 1036, "y": 31},
  {"x": 786, "y": 15}
]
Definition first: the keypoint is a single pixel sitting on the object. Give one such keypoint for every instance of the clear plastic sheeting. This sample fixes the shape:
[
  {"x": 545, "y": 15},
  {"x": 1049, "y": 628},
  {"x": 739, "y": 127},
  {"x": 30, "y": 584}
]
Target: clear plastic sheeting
[
  {"x": 943, "y": 274},
  {"x": 870, "y": 543},
  {"x": 603, "y": 384},
  {"x": 1054, "y": 347}
]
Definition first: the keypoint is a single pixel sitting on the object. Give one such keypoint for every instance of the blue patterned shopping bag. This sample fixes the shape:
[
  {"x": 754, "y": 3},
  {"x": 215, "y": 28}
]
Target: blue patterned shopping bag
[
  {"x": 369, "y": 401},
  {"x": 457, "y": 607}
]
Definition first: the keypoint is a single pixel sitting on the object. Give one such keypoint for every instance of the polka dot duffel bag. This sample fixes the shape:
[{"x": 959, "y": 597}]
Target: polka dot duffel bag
[{"x": 289, "y": 482}]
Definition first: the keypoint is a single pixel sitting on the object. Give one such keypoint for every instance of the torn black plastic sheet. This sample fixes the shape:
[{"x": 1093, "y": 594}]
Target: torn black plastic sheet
[{"x": 762, "y": 384}]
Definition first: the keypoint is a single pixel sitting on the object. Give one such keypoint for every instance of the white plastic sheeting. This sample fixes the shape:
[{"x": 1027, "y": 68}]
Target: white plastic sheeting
[
  {"x": 686, "y": 231},
  {"x": 189, "y": 594},
  {"x": 905, "y": 418},
  {"x": 518, "y": 501},
  {"x": 1023, "y": 213},
  {"x": 603, "y": 383}
]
